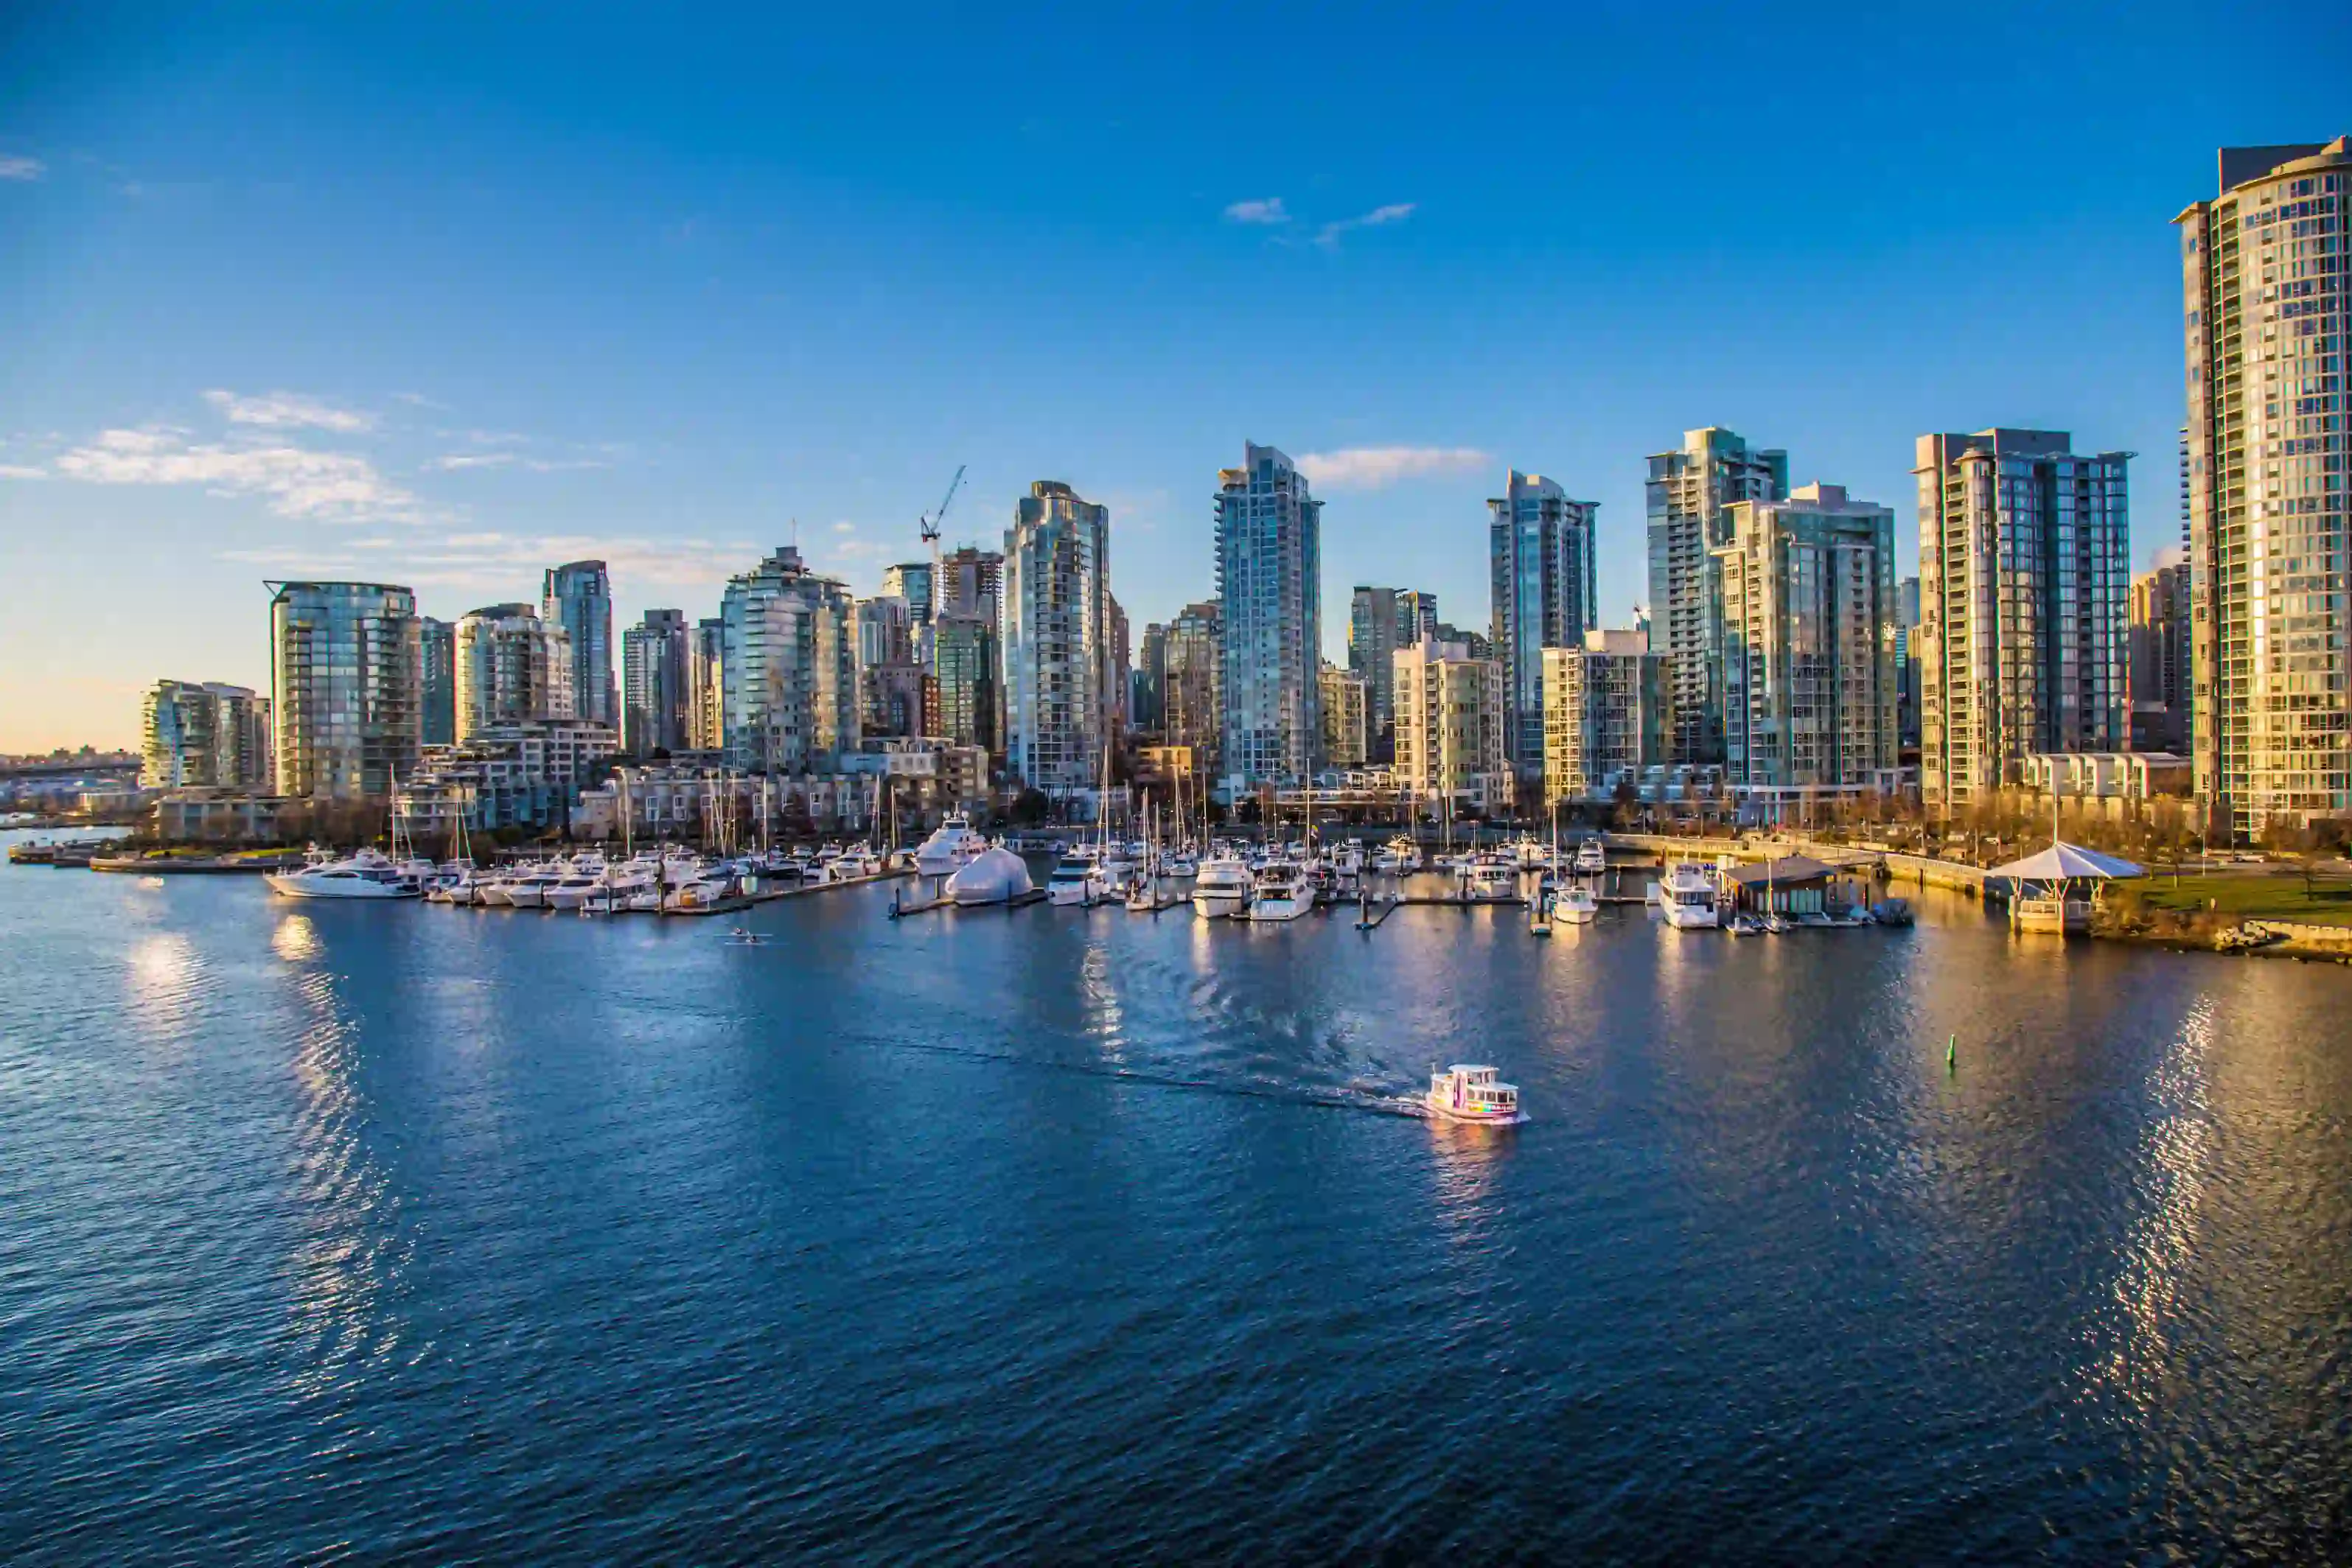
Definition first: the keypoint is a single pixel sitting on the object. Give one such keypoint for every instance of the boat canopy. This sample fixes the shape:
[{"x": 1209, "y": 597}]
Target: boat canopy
[{"x": 2063, "y": 861}]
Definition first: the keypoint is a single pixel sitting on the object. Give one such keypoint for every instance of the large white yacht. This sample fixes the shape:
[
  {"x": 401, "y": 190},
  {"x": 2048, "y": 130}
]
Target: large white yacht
[
  {"x": 1223, "y": 888},
  {"x": 1687, "y": 897},
  {"x": 954, "y": 847},
  {"x": 1281, "y": 893},
  {"x": 366, "y": 874}
]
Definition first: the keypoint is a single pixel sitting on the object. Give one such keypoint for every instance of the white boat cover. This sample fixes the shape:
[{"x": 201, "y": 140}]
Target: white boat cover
[{"x": 995, "y": 876}]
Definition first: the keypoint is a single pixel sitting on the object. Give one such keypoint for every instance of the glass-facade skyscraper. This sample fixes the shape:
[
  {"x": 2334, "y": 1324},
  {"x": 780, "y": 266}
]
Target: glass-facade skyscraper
[
  {"x": 1058, "y": 640},
  {"x": 346, "y": 678},
  {"x": 1541, "y": 573},
  {"x": 2267, "y": 308},
  {"x": 511, "y": 666},
  {"x": 653, "y": 683},
  {"x": 788, "y": 667},
  {"x": 1269, "y": 571},
  {"x": 1688, "y": 494},
  {"x": 205, "y": 735},
  {"x": 2024, "y": 579},
  {"x": 1806, "y": 607},
  {"x": 437, "y": 640},
  {"x": 578, "y": 597}
]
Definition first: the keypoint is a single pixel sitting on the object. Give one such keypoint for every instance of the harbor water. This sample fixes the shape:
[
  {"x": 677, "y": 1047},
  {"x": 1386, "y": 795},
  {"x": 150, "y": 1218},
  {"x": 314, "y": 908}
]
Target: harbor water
[{"x": 377, "y": 1232}]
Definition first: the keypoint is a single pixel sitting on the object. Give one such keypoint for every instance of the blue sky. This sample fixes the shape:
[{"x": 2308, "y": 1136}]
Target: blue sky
[{"x": 437, "y": 296}]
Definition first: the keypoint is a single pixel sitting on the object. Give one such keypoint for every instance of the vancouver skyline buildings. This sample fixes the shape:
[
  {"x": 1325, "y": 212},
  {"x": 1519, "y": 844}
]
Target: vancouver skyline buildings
[{"x": 659, "y": 328}]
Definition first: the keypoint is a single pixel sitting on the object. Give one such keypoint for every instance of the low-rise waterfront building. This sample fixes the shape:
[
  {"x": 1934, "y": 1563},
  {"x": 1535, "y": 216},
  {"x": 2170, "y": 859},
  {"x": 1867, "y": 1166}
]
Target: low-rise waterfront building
[{"x": 525, "y": 774}]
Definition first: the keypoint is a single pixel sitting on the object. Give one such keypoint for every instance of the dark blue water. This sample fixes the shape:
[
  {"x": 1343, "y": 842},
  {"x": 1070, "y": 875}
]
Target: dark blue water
[{"x": 379, "y": 1233}]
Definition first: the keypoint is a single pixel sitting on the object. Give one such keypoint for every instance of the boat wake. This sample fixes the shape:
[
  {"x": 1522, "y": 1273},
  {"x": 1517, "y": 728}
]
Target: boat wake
[{"x": 1360, "y": 1096}]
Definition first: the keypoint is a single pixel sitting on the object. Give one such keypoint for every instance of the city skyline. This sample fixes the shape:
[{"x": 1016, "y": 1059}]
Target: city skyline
[{"x": 252, "y": 340}]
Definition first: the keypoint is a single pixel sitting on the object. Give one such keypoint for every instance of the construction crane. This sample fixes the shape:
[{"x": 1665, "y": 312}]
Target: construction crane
[{"x": 930, "y": 524}]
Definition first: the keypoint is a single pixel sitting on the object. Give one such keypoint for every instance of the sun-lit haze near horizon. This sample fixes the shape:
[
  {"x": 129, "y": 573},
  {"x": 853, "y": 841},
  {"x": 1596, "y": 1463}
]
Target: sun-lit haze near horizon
[{"x": 444, "y": 296}]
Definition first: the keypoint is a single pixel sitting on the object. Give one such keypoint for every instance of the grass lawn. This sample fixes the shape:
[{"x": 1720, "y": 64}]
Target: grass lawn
[{"x": 2269, "y": 897}]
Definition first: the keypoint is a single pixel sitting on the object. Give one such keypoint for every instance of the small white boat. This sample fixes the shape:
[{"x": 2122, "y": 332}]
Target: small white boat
[
  {"x": 1468, "y": 1092},
  {"x": 1493, "y": 880},
  {"x": 1398, "y": 857},
  {"x": 1281, "y": 893},
  {"x": 1592, "y": 858},
  {"x": 1223, "y": 888},
  {"x": 993, "y": 876},
  {"x": 1576, "y": 904}
]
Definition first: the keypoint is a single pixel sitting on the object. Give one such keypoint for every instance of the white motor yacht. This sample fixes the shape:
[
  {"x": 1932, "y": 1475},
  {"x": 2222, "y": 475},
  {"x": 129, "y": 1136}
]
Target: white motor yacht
[
  {"x": 1576, "y": 904},
  {"x": 366, "y": 874},
  {"x": 1686, "y": 898},
  {"x": 1281, "y": 893},
  {"x": 1592, "y": 858},
  {"x": 954, "y": 847},
  {"x": 1398, "y": 857},
  {"x": 1467, "y": 1092},
  {"x": 1493, "y": 880},
  {"x": 1223, "y": 888},
  {"x": 1074, "y": 880},
  {"x": 858, "y": 861},
  {"x": 529, "y": 891}
]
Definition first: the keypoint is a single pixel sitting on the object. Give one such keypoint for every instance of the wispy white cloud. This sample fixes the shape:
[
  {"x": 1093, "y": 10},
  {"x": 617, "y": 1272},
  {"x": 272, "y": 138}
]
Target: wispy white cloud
[
  {"x": 1378, "y": 467},
  {"x": 418, "y": 400},
  {"x": 458, "y": 462},
  {"x": 1269, "y": 211},
  {"x": 19, "y": 471},
  {"x": 325, "y": 487},
  {"x": 17, "y": 167},
  {"x": 287, "y": 411},
  {"x": 1394, "y": 213}
]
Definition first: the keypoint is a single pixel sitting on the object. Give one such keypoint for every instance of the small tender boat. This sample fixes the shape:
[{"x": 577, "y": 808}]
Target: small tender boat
[{"x": 1468, "y": 1092}]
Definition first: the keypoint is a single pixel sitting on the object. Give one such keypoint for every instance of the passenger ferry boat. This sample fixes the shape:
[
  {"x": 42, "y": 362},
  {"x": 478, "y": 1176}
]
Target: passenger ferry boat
[{"x": 1467, "y": 1092}]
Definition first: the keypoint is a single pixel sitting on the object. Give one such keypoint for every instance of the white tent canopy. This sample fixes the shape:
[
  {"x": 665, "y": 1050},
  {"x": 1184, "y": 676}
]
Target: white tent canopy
[{"x": 2063, "y": 863}]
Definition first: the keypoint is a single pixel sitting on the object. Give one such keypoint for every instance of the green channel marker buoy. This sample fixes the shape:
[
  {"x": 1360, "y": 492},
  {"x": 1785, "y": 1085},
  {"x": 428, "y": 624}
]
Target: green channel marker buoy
[{"x": 1952, "y": 1054}]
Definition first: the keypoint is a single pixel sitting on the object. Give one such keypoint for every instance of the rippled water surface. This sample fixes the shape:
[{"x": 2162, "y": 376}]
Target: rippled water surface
[{"x": 382, "y": 1232}]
